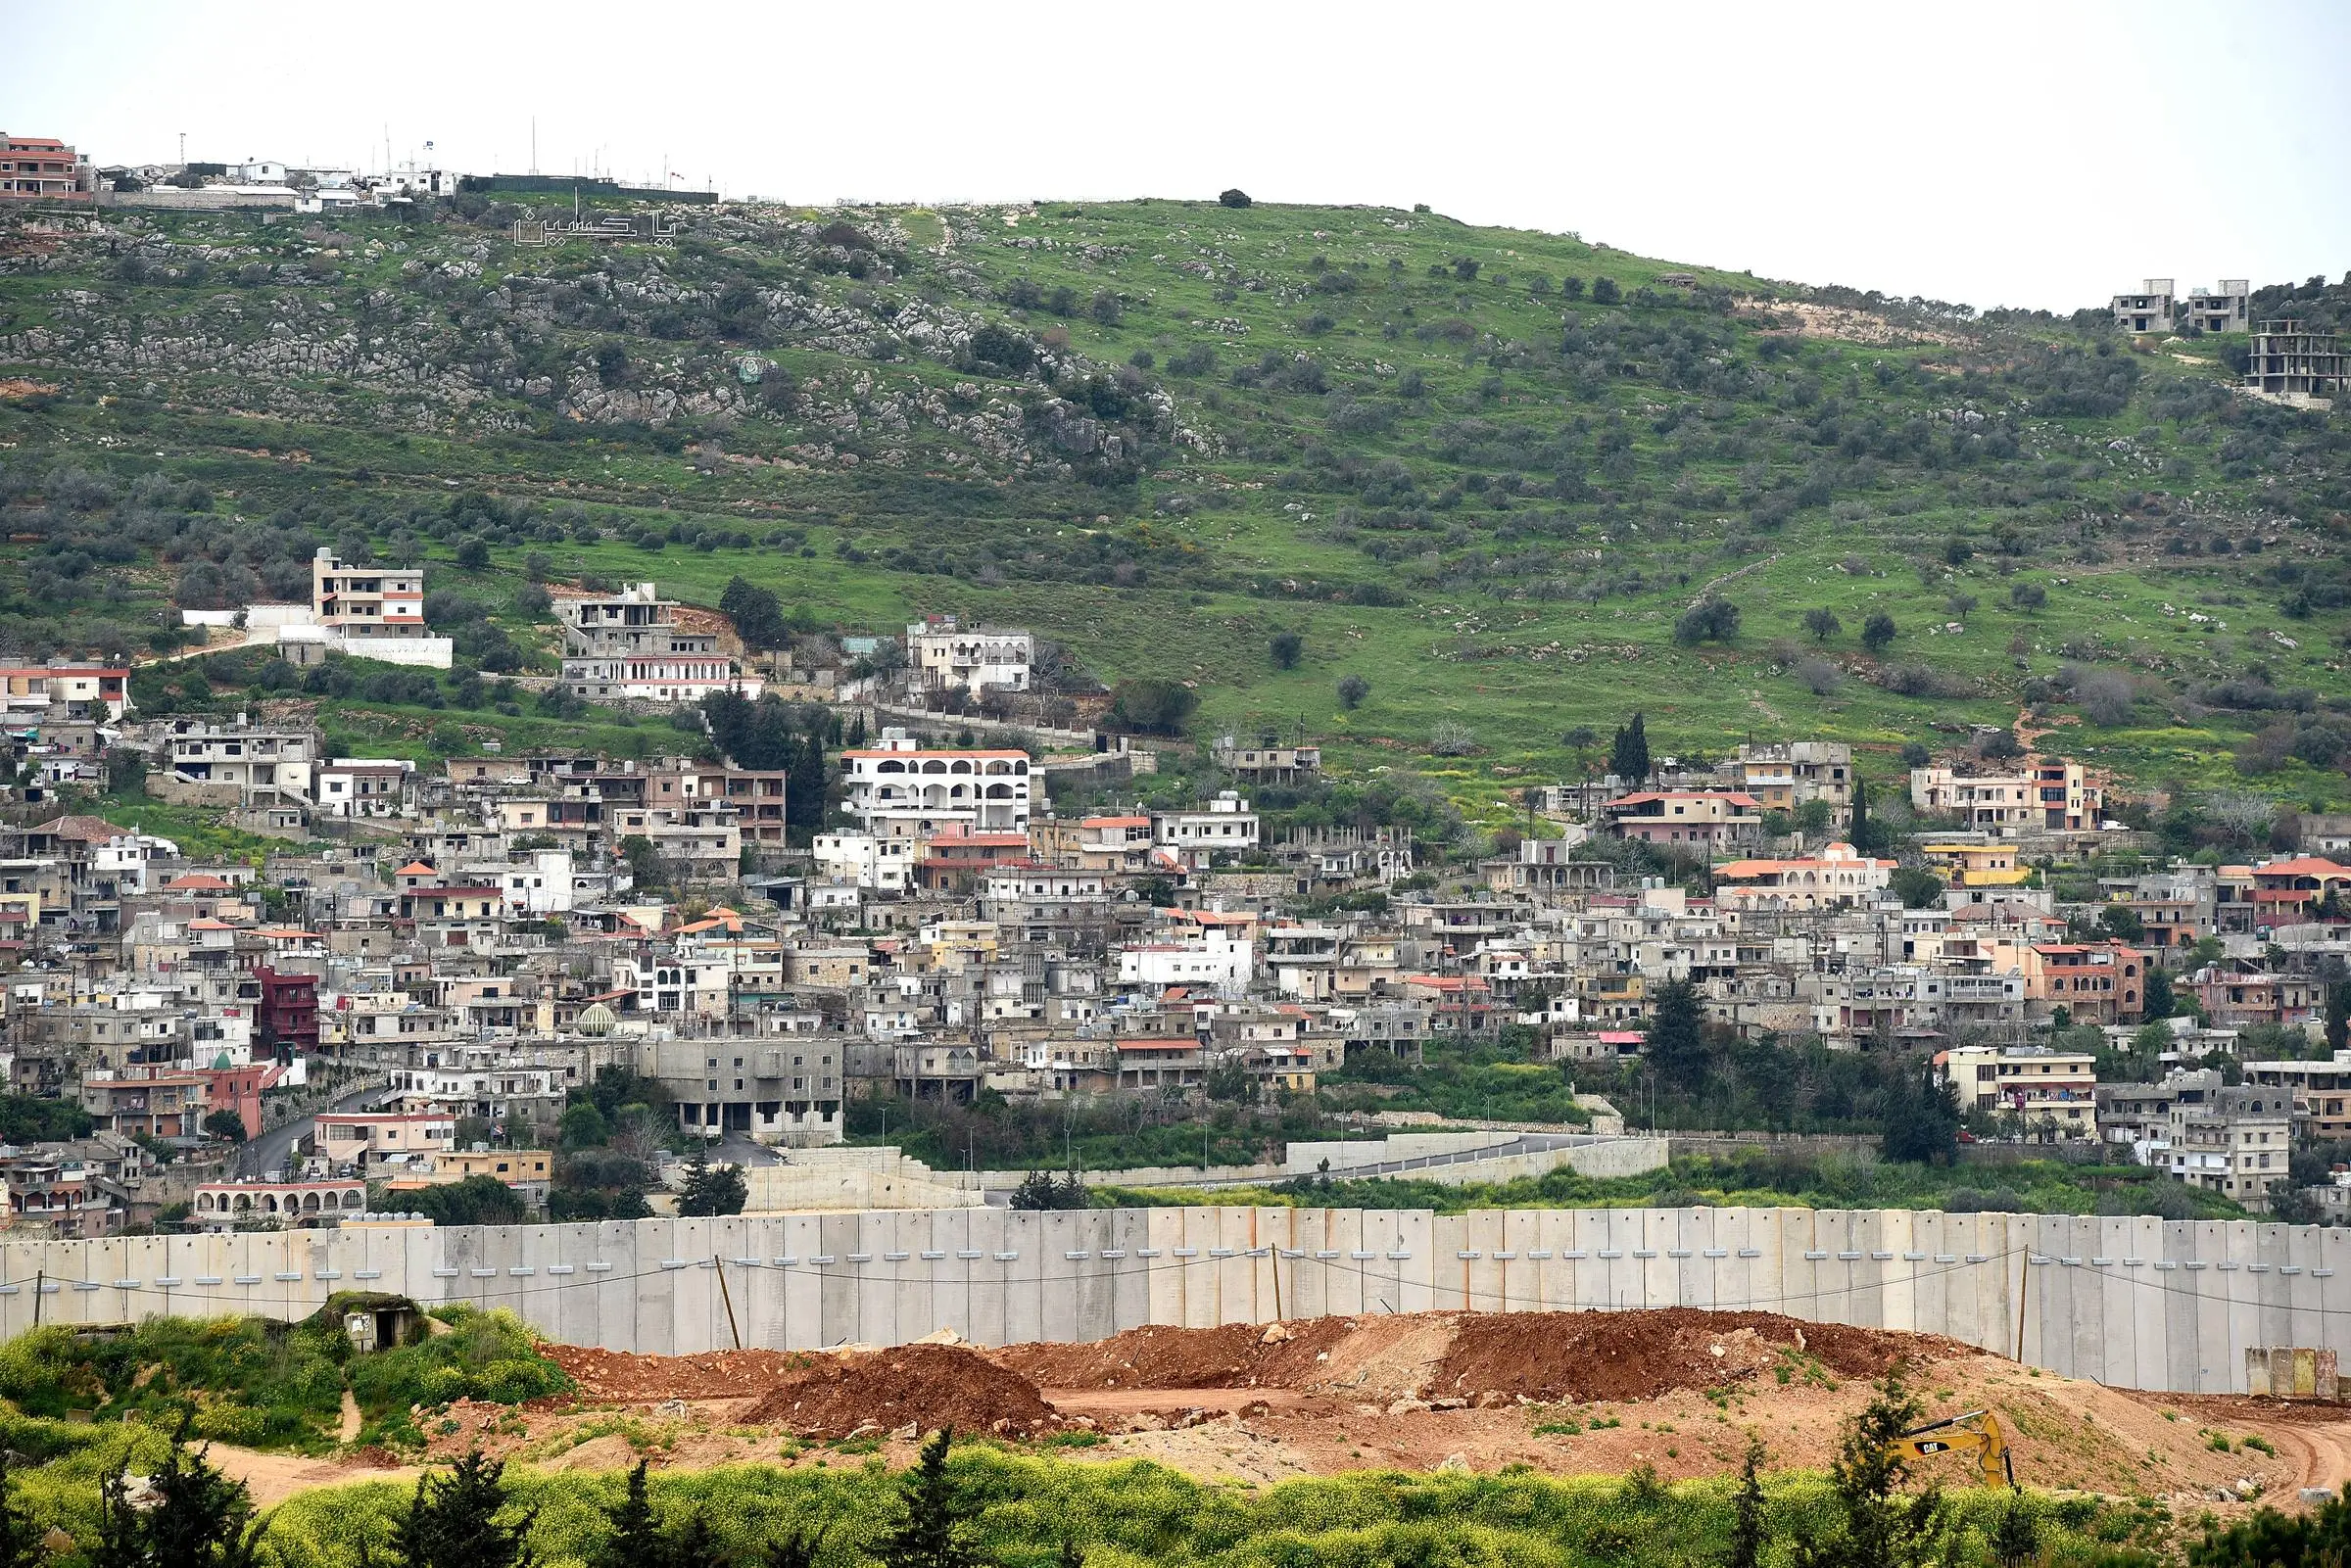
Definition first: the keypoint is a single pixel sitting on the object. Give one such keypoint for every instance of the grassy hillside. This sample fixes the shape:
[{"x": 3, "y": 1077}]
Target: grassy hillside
[{"x": 1487, "y": 471}]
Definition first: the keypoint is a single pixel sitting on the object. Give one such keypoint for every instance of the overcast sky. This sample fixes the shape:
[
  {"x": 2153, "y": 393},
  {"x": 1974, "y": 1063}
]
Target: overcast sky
[{"x": 2043, "y": 154}]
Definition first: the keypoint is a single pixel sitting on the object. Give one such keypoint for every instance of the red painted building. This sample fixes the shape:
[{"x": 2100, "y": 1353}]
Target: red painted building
[
  {"x": 287, "y": 1011},
  {"x": 42, "y": 169}
]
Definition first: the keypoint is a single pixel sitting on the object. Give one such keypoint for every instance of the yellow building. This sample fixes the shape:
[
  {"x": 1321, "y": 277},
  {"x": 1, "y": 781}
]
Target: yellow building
[{"x": 1977, "y": 865}]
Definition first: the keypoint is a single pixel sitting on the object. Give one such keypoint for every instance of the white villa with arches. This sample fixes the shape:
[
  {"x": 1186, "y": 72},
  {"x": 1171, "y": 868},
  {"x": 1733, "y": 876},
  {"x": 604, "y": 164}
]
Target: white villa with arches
[
  {"x": 227, "y": 1205},
  {"x": 900, "y": 789}
]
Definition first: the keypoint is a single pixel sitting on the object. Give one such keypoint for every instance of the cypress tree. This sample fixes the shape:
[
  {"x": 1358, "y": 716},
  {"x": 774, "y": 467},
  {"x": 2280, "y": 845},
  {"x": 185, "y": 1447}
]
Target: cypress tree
[
  {"x": 452, "y": 1521},
  {"x": 1748, "y": 1531},
  {"x": 933, "y": 1534},
  {"x": 635, "y": 1538}
]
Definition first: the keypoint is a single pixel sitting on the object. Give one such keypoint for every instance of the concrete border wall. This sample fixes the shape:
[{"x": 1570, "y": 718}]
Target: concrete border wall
[{"x": 2136, "y": 1302}]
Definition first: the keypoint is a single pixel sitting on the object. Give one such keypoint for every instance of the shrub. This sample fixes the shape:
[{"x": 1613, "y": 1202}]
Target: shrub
[
  {"x": 1715, "y": 620},
  {"x": 1353, "y": 688},
  {"x": 1450, "y": 738},
  {"x": 1918, "y": 680},
  {"x": 1820, "y": 677},
  {"x": 1236, "y": 197}
]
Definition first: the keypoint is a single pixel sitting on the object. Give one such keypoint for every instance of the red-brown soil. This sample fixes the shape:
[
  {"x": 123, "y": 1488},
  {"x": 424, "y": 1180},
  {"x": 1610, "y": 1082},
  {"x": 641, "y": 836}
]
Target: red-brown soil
[{"x": 834, "y": 1394}]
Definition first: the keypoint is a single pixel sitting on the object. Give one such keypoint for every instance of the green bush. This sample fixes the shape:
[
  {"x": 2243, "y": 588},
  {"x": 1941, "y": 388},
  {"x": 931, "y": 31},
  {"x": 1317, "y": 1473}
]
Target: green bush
[
  {"x": 491, "y": 1356},
  {"x": 1140, "y": 1515},
  {"x": 268, "y": 1384}
]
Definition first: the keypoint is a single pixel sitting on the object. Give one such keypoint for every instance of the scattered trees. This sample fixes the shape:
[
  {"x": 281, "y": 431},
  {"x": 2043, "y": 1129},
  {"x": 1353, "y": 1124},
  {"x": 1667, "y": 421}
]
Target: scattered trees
[
  {"x": 1236, "y": 197},
  {"x": 1922, "y": 1117},
  {"x": 1678, "y": 1040},
  {"x": 1880, "y": 1527},
  {"x": 199, "y": 1519},
  {"x": 1353, "y": 688},
  {"x": 1822, "y": 624},
  {"x": 1878, "y": 631},
  {"x": 1286, "y": 649},
  {"x": 1040, "y": 1190}
]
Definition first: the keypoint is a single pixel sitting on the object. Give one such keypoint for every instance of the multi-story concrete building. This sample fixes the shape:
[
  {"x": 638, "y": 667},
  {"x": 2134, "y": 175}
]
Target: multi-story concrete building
[
  {"x": 2054, "y": 1092},
  {"x": 2227, "y": 308},
  {"x": 2320, "y": 1092},
  {"x": 2051, "y": 794},
  {"x": 629, "y": 647},
  {"x": 361, "y": 1138},
  {"x": 774, "y": 1090},
  {"x": 1265, "y": 764},
  {"x": 2291, "y": 364},
  {"x": 2233, "y": 1142},
  {"x": 42, "y": 169},
  {"x": 361, "y": 604},
  {"x": 899, "y": 788},
  {"x": 237, "y": 764},
  {"x": 2235, "y": 999},
  {"x": 1787, "y": 775},
  {"x": 1711, "y": 819},
  {"x": 1839, "y": 877},
  {"x": 2147, "y": 310},
  {"x": 944, "y": 655},
  {"x": 35, "y": 692},
  {"x": 1227, "y": 829}
]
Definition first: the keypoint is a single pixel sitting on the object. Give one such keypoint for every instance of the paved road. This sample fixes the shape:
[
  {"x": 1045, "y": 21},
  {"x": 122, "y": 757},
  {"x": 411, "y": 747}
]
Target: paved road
[
  {"x": 1524, "y": 1144},
  {"x": 267, "y": 1151}
]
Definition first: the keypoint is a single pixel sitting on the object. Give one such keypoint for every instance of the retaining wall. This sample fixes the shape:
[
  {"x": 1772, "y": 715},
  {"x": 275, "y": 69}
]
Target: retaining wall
[{"x": 2137, "y": 1301}]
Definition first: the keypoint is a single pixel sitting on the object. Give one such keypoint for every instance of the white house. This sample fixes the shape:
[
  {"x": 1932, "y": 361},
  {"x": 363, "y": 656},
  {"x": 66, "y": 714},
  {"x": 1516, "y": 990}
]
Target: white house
[
  {"x": 863, "y": 860},
  {"x": 899, "y": 788},
  {"x": 943, "y": 655},
  {"x": 1219, "y": 959},
  {"x": 1227, "y": 828},
  {"x": 367, "y": 786},
  {"x": 128, "y": 857}
]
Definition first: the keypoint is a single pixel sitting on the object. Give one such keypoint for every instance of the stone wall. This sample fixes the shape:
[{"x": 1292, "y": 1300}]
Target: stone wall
[{"x": 2135, "y": 1302}]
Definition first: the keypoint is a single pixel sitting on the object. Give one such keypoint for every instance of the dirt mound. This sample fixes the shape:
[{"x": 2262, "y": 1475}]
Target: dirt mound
[
  {"x": 624, "y": 1377},
  {"x": 924, "y": 1386},
  {"x": 1643, "y": 1355},
  {"x": 1546, "y": 1356},
  {"x": 1230, "y": 1356}
]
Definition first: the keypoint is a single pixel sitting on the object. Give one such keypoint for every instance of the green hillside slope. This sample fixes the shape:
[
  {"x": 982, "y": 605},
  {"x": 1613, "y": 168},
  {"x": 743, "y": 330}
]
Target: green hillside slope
[{"x": 1489, "y": 472}]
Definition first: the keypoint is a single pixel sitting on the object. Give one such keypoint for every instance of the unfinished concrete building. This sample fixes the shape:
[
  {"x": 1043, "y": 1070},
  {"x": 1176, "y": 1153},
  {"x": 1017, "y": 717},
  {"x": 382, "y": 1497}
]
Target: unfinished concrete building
[
  {"x": 2147, "y": 310},
  {"x": 2291, "y": 365},
  {"x": 2227, "y": 308}
]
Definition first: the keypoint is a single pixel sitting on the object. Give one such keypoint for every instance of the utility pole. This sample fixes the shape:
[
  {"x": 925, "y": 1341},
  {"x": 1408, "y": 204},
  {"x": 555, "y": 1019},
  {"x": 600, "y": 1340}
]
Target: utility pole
[{"x": 40, "y": 1288}]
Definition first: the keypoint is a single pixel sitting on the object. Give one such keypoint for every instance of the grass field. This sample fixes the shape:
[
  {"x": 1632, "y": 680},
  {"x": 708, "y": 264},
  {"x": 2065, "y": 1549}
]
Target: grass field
[{"x": 1490, "y": 500}]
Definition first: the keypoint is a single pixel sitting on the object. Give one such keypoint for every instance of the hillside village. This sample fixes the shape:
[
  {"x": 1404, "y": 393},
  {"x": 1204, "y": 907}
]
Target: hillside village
[
  {"x": 481, "y": 945},
  {"x": 698, "y": 880},
  {"x": 728, "y": 883}
]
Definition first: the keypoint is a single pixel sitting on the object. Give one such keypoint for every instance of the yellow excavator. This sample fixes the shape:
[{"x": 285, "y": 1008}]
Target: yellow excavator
[{"x": 1978, "y": 1432}]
